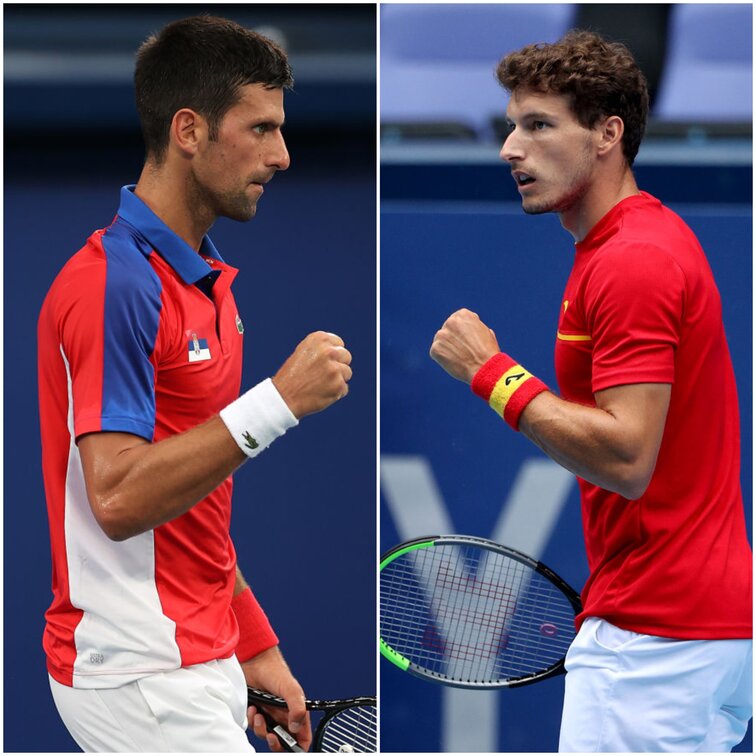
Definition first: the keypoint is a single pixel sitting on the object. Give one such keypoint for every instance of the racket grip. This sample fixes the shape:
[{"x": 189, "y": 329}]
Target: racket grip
[{"x": 287, "y": 740}]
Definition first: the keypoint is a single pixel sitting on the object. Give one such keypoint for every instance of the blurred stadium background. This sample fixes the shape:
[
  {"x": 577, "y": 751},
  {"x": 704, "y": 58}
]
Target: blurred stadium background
[
  {"x": 453, "y": 235},
  {"x": 304, "y": 513}
]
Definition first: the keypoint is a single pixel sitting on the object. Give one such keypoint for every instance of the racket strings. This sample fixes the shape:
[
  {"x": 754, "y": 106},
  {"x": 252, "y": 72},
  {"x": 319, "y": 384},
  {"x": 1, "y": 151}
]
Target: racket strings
[
  {"x": 355, "y": 728},
  {"x": 473, "y": 615}
]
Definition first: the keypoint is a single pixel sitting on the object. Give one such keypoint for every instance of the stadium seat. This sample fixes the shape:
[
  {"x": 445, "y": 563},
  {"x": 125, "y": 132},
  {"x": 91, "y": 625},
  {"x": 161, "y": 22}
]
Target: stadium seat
[
  {"x": 708, "y": 74},
  {"x": 438, "y": 61}
]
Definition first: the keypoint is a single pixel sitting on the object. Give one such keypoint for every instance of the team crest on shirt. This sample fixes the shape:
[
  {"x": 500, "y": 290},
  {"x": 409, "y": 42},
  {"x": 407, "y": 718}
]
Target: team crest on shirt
[
  {"x": 239, "y": 324},
  {"x": 198, "y": 348}
]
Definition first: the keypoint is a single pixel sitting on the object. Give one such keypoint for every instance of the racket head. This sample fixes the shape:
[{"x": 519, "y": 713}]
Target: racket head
[
  {"x": 471, "y": 613},
  {"x": 349, "y": 729}
]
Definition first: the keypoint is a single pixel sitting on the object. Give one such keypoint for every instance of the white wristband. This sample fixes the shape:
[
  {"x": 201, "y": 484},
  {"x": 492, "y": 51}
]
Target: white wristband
[{"x": 257, "y": 418}]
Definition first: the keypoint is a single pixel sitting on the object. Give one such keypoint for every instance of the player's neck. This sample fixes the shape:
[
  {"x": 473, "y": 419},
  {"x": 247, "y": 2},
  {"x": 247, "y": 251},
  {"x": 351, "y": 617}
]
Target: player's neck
[
  {"x": 602, "y": 195},
  {"x": 167, "y": 195}
]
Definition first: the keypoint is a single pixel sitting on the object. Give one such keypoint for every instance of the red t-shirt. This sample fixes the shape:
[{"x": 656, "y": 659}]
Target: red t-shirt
[{"x": 641, "y": 306}]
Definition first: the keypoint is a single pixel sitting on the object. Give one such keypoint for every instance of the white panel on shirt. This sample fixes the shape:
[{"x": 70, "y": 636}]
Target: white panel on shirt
[{"x": 123, "y": 634}]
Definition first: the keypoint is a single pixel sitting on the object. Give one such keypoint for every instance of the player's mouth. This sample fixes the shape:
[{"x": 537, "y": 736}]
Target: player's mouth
[
  {"x": 522, "y": 179},
  {"x": 259, "y": 182}
]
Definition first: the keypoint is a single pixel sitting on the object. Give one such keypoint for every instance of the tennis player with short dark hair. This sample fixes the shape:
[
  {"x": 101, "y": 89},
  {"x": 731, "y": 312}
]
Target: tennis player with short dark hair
[
  {"x": 140, "y": 355},
  {"x": 647, "y": 418}
]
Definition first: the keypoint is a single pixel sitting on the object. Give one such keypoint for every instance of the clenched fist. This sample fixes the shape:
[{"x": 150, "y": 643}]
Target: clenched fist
[
  {"x": 463, "y": 345},
  {"x": 316, "y": 375}
]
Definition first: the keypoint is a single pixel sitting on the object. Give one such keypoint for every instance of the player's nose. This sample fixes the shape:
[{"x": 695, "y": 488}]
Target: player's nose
[
  {"x": 511, "y": 149},
  {"x": 279, "y": 155}
]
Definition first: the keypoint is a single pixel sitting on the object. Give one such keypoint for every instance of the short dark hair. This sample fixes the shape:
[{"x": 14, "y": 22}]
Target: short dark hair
[
  {"x": 601, "y": 79},
  {"x": 200, "y": 63}
]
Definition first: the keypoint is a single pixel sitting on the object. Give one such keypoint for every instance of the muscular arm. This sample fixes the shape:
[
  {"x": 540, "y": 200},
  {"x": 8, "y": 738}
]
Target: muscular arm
[
  {"x": 133, "y": 485},
  {"x": 613, "y": 445}
]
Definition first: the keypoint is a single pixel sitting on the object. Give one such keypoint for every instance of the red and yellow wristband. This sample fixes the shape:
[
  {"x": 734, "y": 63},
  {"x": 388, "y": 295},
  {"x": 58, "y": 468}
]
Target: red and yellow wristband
[
  {"x": 255, "y": 632},
  {"x": 507, "y": 387}
]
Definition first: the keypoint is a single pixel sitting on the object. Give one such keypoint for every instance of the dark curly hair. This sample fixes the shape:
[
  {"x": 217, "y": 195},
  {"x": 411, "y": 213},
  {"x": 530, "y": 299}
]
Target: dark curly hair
[
  {"x": 200, "y": 63},
  {"x": 600, "y": 78}
]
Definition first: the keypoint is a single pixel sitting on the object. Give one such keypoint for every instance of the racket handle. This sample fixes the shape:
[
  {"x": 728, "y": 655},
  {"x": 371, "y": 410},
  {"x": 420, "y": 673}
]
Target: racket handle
[{"x": 287, "y": 740}]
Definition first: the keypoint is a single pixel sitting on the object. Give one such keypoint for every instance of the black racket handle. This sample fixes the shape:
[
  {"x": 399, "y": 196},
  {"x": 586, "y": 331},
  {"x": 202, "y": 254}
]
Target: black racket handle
[{"x": 287, "y": 740}]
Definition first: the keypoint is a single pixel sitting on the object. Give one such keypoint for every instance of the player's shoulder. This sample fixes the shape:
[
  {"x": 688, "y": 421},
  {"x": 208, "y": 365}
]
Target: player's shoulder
[
  {"x": 648, "y": 240},
  {"x": 636, "y": 264},
  {"x": 82, "y": 274},
  {"x": 127, "y": 255},
  {"x": 649, "y": 227},
  {"x": 116, "y": 244},
  {"x": 636, "y": 256},
  {"x": 113, "y": 265}
]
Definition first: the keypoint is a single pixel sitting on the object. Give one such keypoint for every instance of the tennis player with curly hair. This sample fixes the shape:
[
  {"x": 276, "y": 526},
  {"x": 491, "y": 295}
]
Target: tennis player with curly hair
[{"x": 647, "y": 416}]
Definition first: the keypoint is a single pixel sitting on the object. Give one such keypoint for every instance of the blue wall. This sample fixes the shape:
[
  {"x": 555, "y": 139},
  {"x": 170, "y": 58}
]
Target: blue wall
[
  {"x": 304, "y": 512},
  {"x": 489, "y": 257}
]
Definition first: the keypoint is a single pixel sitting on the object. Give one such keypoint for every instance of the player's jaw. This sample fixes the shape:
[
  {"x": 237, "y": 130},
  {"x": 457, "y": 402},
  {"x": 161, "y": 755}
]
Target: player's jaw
[
  {"x": 239, "y": 205},
  {"x": 239, "y": 202},
  {"x": 554, "y": 190}
]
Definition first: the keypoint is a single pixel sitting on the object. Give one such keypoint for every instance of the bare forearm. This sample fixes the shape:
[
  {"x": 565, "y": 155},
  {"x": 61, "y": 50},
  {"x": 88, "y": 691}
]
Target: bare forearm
[
  {"x": 591, "y": 442},
  {"x": 613, "y": 445},
  {"x": 134, "y": 486},
  {"x": 146, "y": 485}
]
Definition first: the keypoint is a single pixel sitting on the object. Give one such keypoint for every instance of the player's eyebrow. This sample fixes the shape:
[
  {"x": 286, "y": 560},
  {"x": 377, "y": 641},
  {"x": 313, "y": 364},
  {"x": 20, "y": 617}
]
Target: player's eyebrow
[
  {"x": 532, "y": 115},
  {"x": 269, "y": 123}
]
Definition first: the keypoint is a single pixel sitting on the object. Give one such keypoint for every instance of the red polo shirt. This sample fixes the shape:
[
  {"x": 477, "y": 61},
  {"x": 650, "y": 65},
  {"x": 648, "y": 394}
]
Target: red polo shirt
[
  {"x": 130, "y": 341},
  {"x": 641, "y": 306}
]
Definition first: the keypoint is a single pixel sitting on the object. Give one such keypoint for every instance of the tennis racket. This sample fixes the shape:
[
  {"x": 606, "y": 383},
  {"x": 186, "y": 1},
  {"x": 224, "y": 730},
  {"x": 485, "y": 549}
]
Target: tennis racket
[
  {"x": 349, "y": 725},
  {"x": 471, "y": 613}
]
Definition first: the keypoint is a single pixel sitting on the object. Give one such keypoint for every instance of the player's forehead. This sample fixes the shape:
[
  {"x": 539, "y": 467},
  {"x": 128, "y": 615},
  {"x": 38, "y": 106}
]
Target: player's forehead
[
  {"x": 258, "y": 103},
  {"x": 528, "y": 102}
]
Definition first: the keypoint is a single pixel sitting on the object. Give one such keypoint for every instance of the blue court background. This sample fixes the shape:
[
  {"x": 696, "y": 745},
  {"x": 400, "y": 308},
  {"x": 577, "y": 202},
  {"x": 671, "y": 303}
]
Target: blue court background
[
  {"x": 304, "y": 516},
  {"x": 438, "y": 256}
]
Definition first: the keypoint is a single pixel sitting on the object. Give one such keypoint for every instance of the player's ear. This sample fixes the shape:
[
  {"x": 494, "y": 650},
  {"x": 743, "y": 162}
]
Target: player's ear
[
  {"x": 610, "y": 132},
  {"x": 188, "y": 131}
]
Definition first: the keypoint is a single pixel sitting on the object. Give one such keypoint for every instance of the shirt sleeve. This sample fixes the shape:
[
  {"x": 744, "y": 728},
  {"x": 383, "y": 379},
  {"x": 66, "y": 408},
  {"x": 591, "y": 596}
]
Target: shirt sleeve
[
  {"x": 634, "y": 299},
  {"x": 108, "y": 337}
]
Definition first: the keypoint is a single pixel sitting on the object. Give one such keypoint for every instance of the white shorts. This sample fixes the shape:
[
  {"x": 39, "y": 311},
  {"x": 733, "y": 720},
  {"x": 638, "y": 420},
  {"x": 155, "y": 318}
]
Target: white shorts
[
  {"x": 629, "y": 692},
  {"x": 202, "y": 708}
]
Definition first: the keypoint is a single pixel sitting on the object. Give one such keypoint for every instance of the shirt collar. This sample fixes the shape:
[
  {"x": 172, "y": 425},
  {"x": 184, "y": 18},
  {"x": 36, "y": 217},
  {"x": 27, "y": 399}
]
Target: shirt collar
[{"x": 171, "y": 247}]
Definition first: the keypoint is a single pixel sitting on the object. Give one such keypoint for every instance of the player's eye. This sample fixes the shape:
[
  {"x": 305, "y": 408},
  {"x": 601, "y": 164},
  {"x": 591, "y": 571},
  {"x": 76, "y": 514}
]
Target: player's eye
[{"x": 539, "y": 125}]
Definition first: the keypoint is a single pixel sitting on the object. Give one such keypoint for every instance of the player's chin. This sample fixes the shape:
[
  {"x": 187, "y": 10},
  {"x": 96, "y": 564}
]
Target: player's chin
[
  {"x": 536, "y": 208},
  {"x": 241, "y": 212},
  {"x": 537, "y": 205}
]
